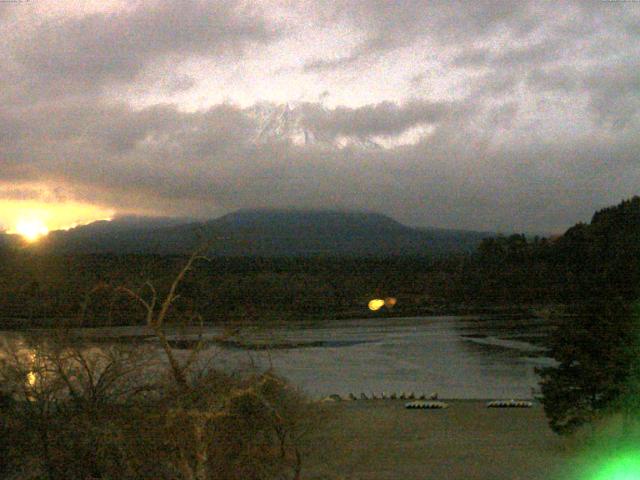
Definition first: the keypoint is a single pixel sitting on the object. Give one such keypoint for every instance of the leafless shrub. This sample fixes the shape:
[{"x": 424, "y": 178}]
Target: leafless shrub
[
  {"x": 156, "y": 315},
  {"x": 102, "y": 411},
  {"x": 66, "y": 393},
  {"x": 241, "y": 428}
]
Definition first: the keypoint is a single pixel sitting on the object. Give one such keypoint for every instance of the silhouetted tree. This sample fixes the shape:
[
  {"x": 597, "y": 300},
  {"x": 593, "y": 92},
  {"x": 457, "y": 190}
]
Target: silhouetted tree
[{"x": 596, "y": 347}]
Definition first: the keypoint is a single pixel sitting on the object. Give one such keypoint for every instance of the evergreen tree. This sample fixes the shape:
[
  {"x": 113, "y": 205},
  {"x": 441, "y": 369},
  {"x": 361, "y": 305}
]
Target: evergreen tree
[{"x": 596, "y": 347}]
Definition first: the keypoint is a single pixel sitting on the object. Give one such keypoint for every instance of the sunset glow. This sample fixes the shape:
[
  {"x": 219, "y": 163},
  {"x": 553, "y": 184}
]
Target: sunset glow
[
  {"x": 31, "y": 229},
  {"x": 33, "y": 219}
]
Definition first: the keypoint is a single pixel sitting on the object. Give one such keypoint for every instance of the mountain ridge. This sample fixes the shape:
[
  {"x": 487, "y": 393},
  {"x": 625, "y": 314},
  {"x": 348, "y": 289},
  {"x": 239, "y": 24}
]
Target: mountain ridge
[{"x": 263, "y": 232}]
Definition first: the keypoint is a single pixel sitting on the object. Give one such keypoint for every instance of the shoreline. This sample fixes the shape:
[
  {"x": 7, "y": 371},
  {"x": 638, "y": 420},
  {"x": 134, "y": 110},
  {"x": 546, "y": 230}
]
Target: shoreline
[
  {"x": 399, "y": 402},
  {"x": 383, "y": 440},
  {"x": 523, "y": 311}
]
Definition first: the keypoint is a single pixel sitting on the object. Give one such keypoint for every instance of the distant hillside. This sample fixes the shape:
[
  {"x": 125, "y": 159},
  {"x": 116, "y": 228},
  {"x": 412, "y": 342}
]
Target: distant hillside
[
  {"x": 503, "y": 274},
  {"x": 265, "y": 233},
  {"x": 605, "y": 254},
  {"x": 601, "y": 258}
]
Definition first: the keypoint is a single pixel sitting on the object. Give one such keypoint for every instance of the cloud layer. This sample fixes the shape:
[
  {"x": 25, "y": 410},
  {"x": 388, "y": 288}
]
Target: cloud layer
[{"x": 449, "y": 114}]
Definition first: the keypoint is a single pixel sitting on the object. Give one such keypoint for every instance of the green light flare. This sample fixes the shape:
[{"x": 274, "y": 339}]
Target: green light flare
[{"x": 622, "y": 467}]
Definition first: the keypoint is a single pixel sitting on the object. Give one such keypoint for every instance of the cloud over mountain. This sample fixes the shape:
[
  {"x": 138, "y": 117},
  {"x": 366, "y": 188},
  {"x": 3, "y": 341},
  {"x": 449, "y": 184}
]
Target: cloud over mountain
[{"x": 480, "y": 115}]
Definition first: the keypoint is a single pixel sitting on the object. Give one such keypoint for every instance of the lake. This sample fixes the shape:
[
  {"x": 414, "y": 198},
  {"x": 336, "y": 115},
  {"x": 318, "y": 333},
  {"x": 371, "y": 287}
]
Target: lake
[{"x": 457, "y": 357}]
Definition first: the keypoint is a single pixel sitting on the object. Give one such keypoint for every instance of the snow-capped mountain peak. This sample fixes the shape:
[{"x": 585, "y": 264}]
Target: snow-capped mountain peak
[{"x": 288, "y": 123}]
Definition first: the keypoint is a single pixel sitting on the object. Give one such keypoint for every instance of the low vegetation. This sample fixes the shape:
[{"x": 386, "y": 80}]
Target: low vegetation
[
  {"x": 73, "y": 410},
  {"x": 78, "y": 413}
]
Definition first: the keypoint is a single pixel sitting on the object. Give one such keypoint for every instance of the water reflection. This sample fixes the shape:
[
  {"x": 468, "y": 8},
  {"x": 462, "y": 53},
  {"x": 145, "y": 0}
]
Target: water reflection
[
  {"x": 421, "y": 355},
  {"x": 457, "y": 357}
]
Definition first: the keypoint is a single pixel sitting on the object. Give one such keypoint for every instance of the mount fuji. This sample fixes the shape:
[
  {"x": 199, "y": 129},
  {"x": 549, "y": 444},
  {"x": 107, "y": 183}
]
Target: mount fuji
[{"x": 287, "y": 122}]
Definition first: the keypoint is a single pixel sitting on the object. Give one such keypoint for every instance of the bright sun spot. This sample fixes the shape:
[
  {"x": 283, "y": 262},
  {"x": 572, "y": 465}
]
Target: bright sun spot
[
  {"x": 42, "y": 210},
  {"x": 31, "y": 229}
]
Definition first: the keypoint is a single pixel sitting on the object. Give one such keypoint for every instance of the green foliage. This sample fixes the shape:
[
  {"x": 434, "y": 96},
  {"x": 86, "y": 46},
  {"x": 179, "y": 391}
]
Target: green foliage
[
  {"x": 597, "y": 344},
  {"x": 597, "y": 350}
]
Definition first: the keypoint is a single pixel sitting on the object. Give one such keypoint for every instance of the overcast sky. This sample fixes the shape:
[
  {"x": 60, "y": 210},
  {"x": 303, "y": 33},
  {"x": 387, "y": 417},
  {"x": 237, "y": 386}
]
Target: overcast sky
[{"x": 509, "y": 116}]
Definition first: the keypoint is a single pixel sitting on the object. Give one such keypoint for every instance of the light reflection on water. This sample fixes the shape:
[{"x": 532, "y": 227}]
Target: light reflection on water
[{"x": 456, "y": 357}]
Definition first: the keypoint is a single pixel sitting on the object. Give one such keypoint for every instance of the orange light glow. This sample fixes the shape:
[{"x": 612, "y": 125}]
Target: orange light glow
[
  {"x": 376, "y": 304},
  {"x": 31, "y": 229},
  {"x": 34, "y": 219},
  {"x": 389, "y": 302}
]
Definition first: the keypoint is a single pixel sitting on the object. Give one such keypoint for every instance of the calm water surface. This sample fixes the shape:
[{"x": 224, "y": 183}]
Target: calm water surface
[{"x": 457, "y": 357}]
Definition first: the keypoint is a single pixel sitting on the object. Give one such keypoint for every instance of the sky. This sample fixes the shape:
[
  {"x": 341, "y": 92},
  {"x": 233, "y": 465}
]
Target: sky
[{"x": 493, "y": 116}]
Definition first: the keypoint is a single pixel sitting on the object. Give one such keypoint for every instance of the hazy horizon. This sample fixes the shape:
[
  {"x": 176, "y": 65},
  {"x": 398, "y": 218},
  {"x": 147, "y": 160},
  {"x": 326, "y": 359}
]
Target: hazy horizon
[{"x": 182, "y": 220}]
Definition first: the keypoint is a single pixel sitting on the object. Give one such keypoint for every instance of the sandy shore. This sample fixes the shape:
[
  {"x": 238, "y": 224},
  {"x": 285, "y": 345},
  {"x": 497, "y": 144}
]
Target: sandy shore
[{"x": 381, "y": 440}]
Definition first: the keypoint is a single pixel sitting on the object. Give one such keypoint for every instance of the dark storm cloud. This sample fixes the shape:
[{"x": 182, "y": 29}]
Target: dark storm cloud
[
  {"x": 320, "y": 65},
  {"x": 83, "y": 53},
  {"x": 128, "y": 158},
  {"x": 389, "y": 25},
  {"x": 537, "y": 44},
  {"x": 401, "y": 22},
  {"x": 87, "y": 139},
  {"x": 472, "y": 57},
  {"x": 536, "y": 54},
  {"x": 385, "y": 118},
  {"x": 489, "y": 159},
  {"x": 198, "y": 163},
  {"x": 613, "y": 89},
  {"x": 16, "y": 193},
  {"x": 504, "y": 115},
  {"x": 615, "y": 92},
  {"x": 500, "y": 83},
  {"x": 563, "y": 79}
]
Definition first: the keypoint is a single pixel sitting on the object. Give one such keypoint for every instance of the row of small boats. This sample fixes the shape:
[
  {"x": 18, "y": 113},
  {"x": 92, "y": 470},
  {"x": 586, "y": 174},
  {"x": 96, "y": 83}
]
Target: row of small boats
[
  {"x": 424, "y": 402},
  {"x": 426, "y": 405},
  {"x": 493, "y": 404},
  {"x": 392, "y": 396},
  {"x": 509, "y": 404}
]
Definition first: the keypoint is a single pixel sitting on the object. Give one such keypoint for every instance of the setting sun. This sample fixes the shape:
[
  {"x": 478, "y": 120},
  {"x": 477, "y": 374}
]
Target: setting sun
[
  {"x": 32, "y": 211},
  {"x": 31, "y": 229}
]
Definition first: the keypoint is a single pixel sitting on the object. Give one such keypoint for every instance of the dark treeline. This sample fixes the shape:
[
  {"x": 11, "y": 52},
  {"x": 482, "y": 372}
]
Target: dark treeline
[
  {"x": 506, "y": 272},
  {"x": 591, "y": 276},
  {"x": 596, "y": 340},
  {"x": 34, "y": 287},
  {"x": 599, "y": 259}
]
